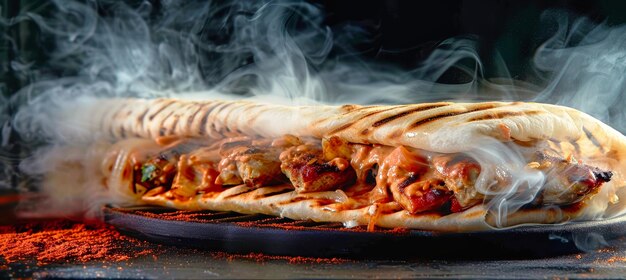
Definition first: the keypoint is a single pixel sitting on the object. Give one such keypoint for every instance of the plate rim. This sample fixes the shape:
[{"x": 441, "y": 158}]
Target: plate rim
[{"x": 567, "y": 227}]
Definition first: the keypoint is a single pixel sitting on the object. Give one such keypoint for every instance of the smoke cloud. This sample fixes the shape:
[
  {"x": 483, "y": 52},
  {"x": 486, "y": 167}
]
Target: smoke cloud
[{"x": 583, "y": 65}]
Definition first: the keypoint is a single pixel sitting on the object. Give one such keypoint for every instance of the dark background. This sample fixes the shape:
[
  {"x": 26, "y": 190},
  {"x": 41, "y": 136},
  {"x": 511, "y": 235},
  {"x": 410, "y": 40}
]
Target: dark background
[
  {"x": 401, "y": 33},
  {"x": 408, "y": 30}
]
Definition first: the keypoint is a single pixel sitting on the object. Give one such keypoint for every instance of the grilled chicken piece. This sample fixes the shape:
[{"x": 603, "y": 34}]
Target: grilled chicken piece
[
  {"x": 229, "y": 175},
  {"x": 568, "y": 181},
  {"x": 419, "y": 196},
  {"x": 307, "y": 170},
  {"x": 254, "y": 166},
  {"x": 253, "y": 162},
  {"x": 260, "y": 167},
  {"x": 459, "y": 172},
  {"x": 404, "y": 174}
]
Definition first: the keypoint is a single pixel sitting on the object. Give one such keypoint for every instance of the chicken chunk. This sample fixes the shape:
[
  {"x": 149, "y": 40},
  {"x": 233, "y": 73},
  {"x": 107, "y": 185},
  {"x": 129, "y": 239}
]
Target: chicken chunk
[
  {"x": 253, "y": 162},
  {"x": 568, "y": 181},
  {"x": 403, "y": 172},
  {"x": 459, "y": 172},
  {"x": 254, "y": 166},
  {"x": 307, "y": 170}
]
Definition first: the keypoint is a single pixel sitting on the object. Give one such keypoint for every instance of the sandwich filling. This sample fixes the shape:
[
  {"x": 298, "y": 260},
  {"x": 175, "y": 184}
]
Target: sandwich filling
[{"x": 417, "y": 180}]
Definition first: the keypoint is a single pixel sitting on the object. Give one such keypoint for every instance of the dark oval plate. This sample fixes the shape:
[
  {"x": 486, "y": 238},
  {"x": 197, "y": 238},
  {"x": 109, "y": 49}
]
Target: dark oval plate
[{"x": 238, "y": 233}]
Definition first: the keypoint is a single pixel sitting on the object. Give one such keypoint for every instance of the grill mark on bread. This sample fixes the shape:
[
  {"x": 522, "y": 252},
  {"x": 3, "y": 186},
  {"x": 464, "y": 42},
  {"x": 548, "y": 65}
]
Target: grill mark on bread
[
  {"x": 283, "y": 191},
  {"x": 593, "y": 139},
  {"x": 227, "y": 117},
  {"x": 343, "y": 127},
  {"x": 501, "y": 115},
  {"x": 408, "y": 112},
  {"x": 380, "y": 111},
  {"x": 167, "y": 104},
  {"x": 178, "y": 116},
  {"x": 258, "y": 113},
  {"x": 114, "y": 118},
  {"x": 224, "y": 125},
  {"x": 576, "y": 147},
  {"x": 247, "y": 110},
  {"x": 193, "y": 116},
  {"x": 238, "y": 194},
  {"x": 205, "y": 117},
  {"x": 174, "y": 124},
  {"x": 364, "y": 117},
  {"x": 163, "y": 129},
  {"x": 451, "y": 114},
  {"x": 140, "y": 118},
  {"x": 294, "y": 200}
]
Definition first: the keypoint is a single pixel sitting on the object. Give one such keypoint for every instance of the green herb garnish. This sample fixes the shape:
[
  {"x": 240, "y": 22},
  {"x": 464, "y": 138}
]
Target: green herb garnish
[{"x": 147, "y": 172}]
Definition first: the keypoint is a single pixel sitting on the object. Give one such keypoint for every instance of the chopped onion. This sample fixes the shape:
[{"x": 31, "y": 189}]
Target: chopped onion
[{"x": 338, "y": 196}]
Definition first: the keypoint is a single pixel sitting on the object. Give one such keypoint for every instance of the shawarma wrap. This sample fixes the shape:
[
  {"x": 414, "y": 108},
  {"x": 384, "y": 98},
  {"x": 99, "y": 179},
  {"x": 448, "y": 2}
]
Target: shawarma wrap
[{"x": 436, "y": 166}]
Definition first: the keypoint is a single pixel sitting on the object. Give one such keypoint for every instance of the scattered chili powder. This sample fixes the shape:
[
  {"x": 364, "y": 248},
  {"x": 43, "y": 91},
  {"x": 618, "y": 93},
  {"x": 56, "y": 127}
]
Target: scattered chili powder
[
  {"x": 259, "y": 257},
  {"x": 181, "y": 215},
  {"x": 616, "y": 259},
  {"x": 606, "y": 250},
  {"x": 65, "y": 241}
]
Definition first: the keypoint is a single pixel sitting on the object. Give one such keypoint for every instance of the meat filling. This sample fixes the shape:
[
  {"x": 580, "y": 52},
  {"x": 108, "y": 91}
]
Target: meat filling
[
  {"x": 416, "y": 180},
  {"x": 459, "y": 172},
  {"x": 254, "y": 166},
  {"x": 307, "y": 170},
  {"x": 158, "y": 170},
  {"x": 254, "y": 163},
  {"x": 406, "y": 174},
  {"x": 568, "y": 181}
]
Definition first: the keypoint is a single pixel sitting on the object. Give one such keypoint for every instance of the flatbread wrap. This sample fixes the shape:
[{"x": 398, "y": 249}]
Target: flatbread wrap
[{"x": 436, "y": 166}]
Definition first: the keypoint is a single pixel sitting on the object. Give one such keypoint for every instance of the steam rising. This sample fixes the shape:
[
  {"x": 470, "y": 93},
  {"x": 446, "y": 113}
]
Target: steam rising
[
  {"x": 584, "y": 66},
  {"x": 283, "y": 52},
  {"x": 5, "y": 156}
]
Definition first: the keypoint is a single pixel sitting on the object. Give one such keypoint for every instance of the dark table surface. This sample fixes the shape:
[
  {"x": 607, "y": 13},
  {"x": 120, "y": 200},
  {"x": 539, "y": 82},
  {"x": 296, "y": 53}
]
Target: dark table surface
[
  {"x": 173, "y": 262},
  {"x": 185, "y": 263}
]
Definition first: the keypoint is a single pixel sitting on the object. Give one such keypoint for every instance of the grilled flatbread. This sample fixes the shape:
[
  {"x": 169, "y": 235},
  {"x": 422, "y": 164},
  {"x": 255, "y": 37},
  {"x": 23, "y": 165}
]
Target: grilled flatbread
[{"x": 436, "y": 166}]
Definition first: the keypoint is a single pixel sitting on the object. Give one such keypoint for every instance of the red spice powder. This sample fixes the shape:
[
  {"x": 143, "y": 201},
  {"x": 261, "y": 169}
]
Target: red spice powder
[
  {"x": 259, "y": 257},
  {"x": 606, "y": 250},
  {"x": 180, "y": 215},
  {"x": 616, "y": 259},
  {"x": 65, "y": 241}
]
